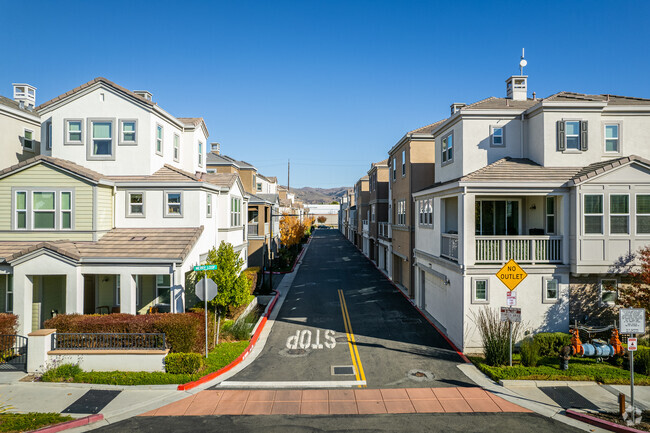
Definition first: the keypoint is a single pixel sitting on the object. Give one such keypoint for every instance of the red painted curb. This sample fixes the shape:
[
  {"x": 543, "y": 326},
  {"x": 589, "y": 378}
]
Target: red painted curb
[
  {"x": 294, "y": 263},
  {"x": 240, "y": 358},
  {"x": 453, "y": 346},
  {"x": 70, "y": 424},
  {"x": 607, "y": 425}
]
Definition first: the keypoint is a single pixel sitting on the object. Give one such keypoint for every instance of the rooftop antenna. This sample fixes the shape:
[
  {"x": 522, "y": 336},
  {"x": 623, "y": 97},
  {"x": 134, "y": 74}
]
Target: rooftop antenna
[{"x": 522, "y": 63}]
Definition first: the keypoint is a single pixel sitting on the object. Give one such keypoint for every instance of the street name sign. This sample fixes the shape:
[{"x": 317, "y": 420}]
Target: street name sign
[
  {"x": 511, "y": 298},
  {"x": 632, "y": 320},
  {"x": 205, "y": 268},
  {"x": 207, "y": 286},
  {"x": 510, "y": 314},
  {"x": 631, "y": 344},
  {"x": 511, "y": 274}
]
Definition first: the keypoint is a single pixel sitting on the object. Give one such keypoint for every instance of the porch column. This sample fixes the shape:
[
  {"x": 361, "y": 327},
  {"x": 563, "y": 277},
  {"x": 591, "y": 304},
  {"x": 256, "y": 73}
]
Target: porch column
[
  {"x": 466, "y": 240},
  {"x": 127, "y": 293},
  {"x": 23, "y": 292},
  {"x": 437, "y": 225},
  {"x": 74, "y": 291},
  {"x": 565, "y": 229}
]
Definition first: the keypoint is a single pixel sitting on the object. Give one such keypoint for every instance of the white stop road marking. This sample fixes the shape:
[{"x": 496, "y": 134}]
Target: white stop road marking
[{"x": 303, "y": 340}]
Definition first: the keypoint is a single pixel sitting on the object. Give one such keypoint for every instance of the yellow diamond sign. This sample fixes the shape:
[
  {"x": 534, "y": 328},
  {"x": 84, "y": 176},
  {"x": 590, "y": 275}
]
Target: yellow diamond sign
[{"x": 511, "y": 275}]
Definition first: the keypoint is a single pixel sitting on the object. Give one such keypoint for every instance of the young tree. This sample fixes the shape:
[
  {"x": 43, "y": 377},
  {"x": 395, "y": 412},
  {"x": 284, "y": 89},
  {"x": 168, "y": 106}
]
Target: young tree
[
  {"x": 232, "y": 284},
  {"x": 322, "y": 219},
  {"x": 291, "y": 230},
  {"x": 637, "y": 294}
]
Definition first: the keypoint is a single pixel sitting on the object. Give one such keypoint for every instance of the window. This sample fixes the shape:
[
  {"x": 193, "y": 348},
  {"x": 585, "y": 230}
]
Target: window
[
  {"x": 9, "y": 294},
  {"x": 593, "y": 210},
  {"x": 572, "y": 135},
  {"x": 619, "y": 214},
  {"x": 421, "y": 211},
  {"x": 48, "y": 136},
  {"x": 253, "y": 216},
  {"x": 159, "y": 140},
  {"x": 177, "y": 148},
  {"x": 612, "y": 138},
  {"x": 211, "y": 170},
  {"x": 426, "y": 212},
  {"x": 118, "y": 288},
  {"x": 608, "y": 291},
  {"x": 74, "y": 131},
  {"x": 372, "y": 212},
  {"x": 259, "y": 186},
  {"x": 163, "y": 289},
  {"x": 128, "y": 131},
  {"x": 208, "y": 204},
  {"x": 401, "y": 212},
  {"x": 448, "y": 148},
  {"x": 200, "y": 149},
  {"x": 394, "y": 172},
  {"x": 480, "y": 291},
  {"x": 551, "y": 289},
  {"x": 403, "y": 163},
  {"x": 44, "y": 212},
  {"x": 550, "y": 215},
  {"x": 101, "y": 139},
  {"x": 235, "y": 211},
  {"x": 497, "y": 217},
  {"x": 28, "y": 139},
  {"x": 135, "y": 204},
  {"x": 643, "y": 214},
  {"x": 430, "y": 211},
  {"x": 21, "y": 210},
  {"x": 497, "y": 137},
  {"x": 66, "y": 210},
  {"x": 173, "y": 204}
]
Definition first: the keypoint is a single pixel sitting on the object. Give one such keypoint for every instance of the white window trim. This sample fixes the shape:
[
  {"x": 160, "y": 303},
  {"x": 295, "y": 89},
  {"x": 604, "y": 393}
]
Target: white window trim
[
  {"x": 15, "y": 210},
  {"x": 552, "y": 230},
  {"x": 628, "y": 214},
  {"x": 177, "y": 148},
  {"x": 9, "y": 292},
  {"x": 128, "y": 204},
  {"x": 566, "y": 136},
  {"x": 89, "y": 146},
  {"x": 66, "y": 132},
  {"x": 503, "y": 136},
  {"x": 545, "y": 298},
  {"x": 121, "y": 140},
  {"x": 29, "y": 209},
  {"x": 165, "y": 204},
  {"x": 158, "y": 287},
  {"x": 48, "y": 135},
  {"x": 487, "y": 290},
  {"x": 162, "y": 139},
  {"x": 32, "y": 141},
  {"x": 637, "y": 214},
  {"x": 208, "y": 205},
  {"x": 200, "y": 152},
  {"x": 118, "y": 288},
  {"x": 444, "y": 161},
  {"x": 62, "y": 211},
  {"x": 600, "y": 291},
  {"x": 584, "y": 215},
  {"x": 619, "y": 124}
]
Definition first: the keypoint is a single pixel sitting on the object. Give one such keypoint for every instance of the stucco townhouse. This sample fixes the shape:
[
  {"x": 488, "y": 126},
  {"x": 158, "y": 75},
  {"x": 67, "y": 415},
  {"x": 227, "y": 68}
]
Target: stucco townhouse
[
  {"x": 378, "y": 203},
  {"x": 20, "y": 124},
  {"x": 561, "y": 185},
  {"x": 114, "y": 211},
  {"x": 361, "y": 214},
  {"x": 351, "y": 216}
]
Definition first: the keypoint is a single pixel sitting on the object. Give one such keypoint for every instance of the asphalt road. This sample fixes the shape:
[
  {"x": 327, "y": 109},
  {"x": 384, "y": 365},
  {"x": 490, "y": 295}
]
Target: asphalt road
[
  {"x": 396, "y": 346},
  {"x": 449, "y": 423}
]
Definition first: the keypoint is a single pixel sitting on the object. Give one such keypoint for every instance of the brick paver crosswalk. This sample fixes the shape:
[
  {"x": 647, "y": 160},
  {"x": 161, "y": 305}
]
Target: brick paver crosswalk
[{"x": 337, "y": 402}]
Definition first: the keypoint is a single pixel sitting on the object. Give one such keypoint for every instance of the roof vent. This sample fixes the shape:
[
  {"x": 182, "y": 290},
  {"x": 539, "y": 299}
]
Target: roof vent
[
  {"x": 25, "y": 95},
  {"x": 145, "y": 94},
  {"x": 456, "y": 106},
  {"x": 216, "y": 148},
  {"x": 138, "y": 238}
]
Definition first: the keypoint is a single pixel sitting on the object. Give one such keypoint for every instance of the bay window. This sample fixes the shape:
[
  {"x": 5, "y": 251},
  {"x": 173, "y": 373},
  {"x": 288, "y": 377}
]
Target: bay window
[
  {"x": 619, "y": 214},
  {"x": 643, "y": 214},
  {"x": 593, "y": 214},
  {"x": 235, "y": 211}
]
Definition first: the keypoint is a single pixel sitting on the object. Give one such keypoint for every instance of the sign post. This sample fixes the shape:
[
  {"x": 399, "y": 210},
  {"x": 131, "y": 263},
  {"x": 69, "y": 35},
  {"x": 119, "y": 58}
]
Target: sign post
[
  {"x": 511, "y": 275},
  {"x": 632, "y": 322},
  {"x": 204, "y": 295}
]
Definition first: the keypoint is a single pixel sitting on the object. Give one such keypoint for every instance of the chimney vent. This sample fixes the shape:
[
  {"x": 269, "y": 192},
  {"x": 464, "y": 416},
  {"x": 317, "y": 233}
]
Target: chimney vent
[
  {"x": 456, "y": 106},
  {"x": 534, "y": 96},
  {"x": 517, "y": 87},
  {"x": 216, "y": 148},
  {"x": 25, "y": 95},
  {"x": 145, "y": 94}
]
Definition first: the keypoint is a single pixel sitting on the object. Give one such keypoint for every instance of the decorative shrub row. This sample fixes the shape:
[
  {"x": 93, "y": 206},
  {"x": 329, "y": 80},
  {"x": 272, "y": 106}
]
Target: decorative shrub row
[
  {"x": 184, "y": 332},
  {"x": 252, "y": 274},
  {"x": 550, "y": 343},
  {"x": 642, "y": 361},
  {"x": 8, "y": 324},
  {"x": 183, "y": 363}
]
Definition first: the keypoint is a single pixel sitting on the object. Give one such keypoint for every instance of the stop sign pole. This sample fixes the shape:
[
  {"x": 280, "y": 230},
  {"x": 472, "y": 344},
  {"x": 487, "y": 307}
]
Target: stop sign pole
[{"x": 205, "y": 297}]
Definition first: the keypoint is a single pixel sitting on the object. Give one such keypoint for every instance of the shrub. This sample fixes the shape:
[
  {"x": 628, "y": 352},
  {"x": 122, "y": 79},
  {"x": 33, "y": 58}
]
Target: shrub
[
  {"x": 15, "y": 422},
  {"x": 495, "y": 336},
  {"x": 62, "y": 373},
  {"x": 550, "y": 343},
  {"x": 183, "y": 363},
  {"x": 184, "y": 332},
  {"x": 8, "y": 324},
  {"x": 529, "y": 351},
  {"x": 252, "y": 275},
  {"x": 642, "y": 362}
]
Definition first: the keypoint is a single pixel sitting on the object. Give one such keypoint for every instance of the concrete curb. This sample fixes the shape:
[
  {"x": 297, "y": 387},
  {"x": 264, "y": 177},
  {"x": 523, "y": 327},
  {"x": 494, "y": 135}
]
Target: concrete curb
[
  {"x": 607, "y": 425},
  {"x": 545, "y": 383},
  {"x": 79, "y": 422}
]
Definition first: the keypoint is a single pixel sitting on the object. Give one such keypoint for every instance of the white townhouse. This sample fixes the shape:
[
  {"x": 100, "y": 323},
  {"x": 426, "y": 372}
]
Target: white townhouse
[
  {"x": 20, "y": 126},
  {"x": 114, "y": 212},
  {"x": 561, "y": 185}
]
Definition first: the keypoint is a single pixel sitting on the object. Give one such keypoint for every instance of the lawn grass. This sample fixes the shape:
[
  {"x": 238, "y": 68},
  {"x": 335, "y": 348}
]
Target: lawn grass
[
  {"x": 222, "y": 355},
  {"x": 548, "y": 368},
  {"x": 20, "y": 422}
]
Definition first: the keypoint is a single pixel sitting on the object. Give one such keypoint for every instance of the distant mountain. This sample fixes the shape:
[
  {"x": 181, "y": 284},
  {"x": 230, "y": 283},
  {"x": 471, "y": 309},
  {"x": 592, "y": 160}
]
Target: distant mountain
[{"x": 319, "y": 195}]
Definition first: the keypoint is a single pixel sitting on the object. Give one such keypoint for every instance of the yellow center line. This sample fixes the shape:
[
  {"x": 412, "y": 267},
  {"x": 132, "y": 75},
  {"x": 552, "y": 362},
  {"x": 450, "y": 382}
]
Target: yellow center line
[{"x": 354, "y": 351}]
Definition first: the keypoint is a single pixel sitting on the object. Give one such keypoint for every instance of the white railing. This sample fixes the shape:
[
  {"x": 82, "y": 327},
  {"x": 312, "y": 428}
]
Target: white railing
[
  {"x": 383, "y": 230},
  {"x": 530, "y": 249},
  {"x": 449, "y": 246}
]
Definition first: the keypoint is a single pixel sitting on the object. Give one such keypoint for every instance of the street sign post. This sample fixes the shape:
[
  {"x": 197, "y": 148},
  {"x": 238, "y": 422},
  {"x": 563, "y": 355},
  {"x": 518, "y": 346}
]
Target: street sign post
[
  {"x": 510, "y": 315},
  {"x": 511, "y": 275},
  {"x": 205, "y": 296},
  {"x": 632, "y": 321}
]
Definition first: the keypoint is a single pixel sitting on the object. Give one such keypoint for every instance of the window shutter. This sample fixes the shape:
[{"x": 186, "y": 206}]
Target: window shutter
[
  {"x": 561, "y": 143},
  {"x": 583, "y": 135}
]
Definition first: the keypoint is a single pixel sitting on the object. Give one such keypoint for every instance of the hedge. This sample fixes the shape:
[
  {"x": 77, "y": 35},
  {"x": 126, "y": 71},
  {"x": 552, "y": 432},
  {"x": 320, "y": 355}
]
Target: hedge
[
  {"x": 550, "y": 343},
  {"x": 184, "y": 332},
  {"x": 8, "y": 324},
  {"x": 183, "y": 363},
  {"x": 252, "y": 274}
]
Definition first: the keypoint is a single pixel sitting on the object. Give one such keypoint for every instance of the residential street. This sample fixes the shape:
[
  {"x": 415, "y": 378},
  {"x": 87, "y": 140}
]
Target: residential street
[{"x": 396, "y": 346}]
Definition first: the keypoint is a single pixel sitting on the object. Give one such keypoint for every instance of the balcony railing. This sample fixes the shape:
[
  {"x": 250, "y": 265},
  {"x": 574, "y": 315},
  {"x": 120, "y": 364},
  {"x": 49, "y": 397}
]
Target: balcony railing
[
  {"x": 449, "y": 246},
  {"x": 383, "y": 230},
  {"x": 530, "y": 249},
  {"x": 252, "y": 229}
]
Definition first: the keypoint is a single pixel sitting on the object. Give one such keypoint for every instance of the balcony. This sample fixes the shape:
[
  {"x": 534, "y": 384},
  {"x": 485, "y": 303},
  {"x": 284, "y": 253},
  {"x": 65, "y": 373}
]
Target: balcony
[
  {"x": 365, "y": 226},
  {"x": 524, "y": 249},
  {"x": 252, "y": 229},
  {"x": 449, "y": 246},
  {"x": 383, "y": 228}
]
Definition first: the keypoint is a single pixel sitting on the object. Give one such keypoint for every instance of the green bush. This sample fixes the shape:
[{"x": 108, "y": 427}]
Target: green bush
[
  {"x": 252, "y": 275},
  {"x": 495, "y": 336},
  {"x": 62, "y": 373},
  {"x": 550, "y": 343},
  {"x": 183, "y": 363},
  {"x": 642, "y": 362},
  {"x": 19, "y": 422},
  {"x": 529, "y": 351}
]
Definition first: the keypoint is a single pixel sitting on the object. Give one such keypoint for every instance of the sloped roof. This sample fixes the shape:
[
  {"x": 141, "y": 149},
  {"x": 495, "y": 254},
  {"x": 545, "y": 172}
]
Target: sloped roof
[
  {"x": 610, "y": 99},
  {"x": 272, "y": 179},
  {"x": 218, "y": 159},
  {"x": 90, "y": 83},
  {"x": 167, "y": 173},
  {"x": 7, "y": 102},
  {"x": 270, "y": 197},
  {"x": 195, "y": 121},
  {"x": 428, "y": 129},
  {"x": 599, "y": 168},
  {"x": 55, "y": 162},
  {"x": 133, "y": 243},
  {"x": 509, "y": 170},
  {"x": 493, "y": 103},
  {"x": 220, "y": 179}
]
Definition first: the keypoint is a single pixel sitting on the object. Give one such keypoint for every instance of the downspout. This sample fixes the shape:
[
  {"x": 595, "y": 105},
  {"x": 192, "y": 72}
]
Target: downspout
[
  {"x": 521, "y": 129},
  {"x": 113, "y": 204}
]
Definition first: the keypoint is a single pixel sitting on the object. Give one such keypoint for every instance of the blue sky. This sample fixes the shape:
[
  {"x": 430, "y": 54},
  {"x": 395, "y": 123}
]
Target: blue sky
[{"x": 331, "y": 85}]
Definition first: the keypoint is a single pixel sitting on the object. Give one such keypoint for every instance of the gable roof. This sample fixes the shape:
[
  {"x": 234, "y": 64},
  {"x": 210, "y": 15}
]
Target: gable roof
[
  {"x": 166, "y": 173},
  {"x": 598, "y": 168},
  {"x": 54, "y": 162},
  {"x": 608, "y": 98},
  {"x": 509, "y": 170},
  {"x": 218, "y": 159},
  {"x": 428, "y": 129},
  {"x": 494, "y": 103},
  {"x": 220, "y": 179}
]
